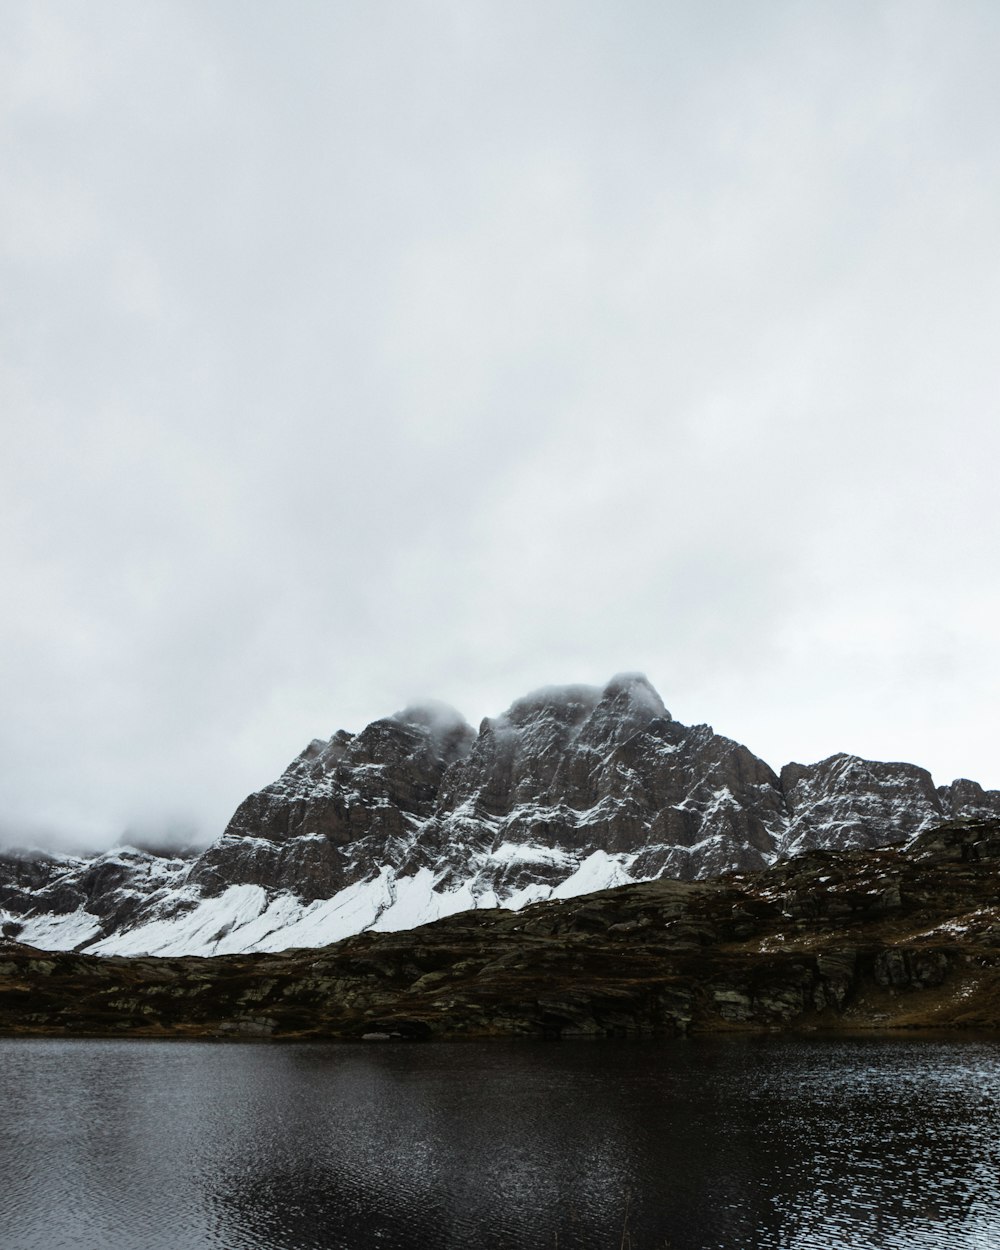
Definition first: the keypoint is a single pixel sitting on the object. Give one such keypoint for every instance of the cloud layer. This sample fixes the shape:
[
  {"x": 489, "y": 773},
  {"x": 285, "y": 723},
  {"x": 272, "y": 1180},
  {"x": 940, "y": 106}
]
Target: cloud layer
[{"x": 352, "y": 354}]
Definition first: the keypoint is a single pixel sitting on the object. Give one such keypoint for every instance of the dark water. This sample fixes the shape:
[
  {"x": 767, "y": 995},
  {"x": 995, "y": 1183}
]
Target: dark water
[{"x": 736, "y": 1144}]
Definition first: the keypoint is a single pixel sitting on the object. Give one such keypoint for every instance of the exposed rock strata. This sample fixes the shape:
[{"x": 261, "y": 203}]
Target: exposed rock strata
[
  {"x": 418, "y": 815},
  {"x": 828, "y": 940}
]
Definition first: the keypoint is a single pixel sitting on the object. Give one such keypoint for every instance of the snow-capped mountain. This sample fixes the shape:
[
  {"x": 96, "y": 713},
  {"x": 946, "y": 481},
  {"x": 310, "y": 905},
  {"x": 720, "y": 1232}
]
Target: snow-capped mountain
[{"x": 572, "y": 789}]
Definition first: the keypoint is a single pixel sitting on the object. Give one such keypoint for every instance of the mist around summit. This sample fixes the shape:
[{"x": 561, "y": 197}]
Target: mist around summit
[{"x": 572, "y": 790}]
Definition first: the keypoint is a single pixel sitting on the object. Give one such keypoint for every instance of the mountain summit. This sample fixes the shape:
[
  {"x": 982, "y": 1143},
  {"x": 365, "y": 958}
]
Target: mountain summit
[{"x": 572, "y": 789}]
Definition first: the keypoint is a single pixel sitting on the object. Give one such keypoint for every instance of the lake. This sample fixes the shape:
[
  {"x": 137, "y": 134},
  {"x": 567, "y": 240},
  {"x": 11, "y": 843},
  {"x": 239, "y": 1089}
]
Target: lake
[{"x": 700, "y": 1144}]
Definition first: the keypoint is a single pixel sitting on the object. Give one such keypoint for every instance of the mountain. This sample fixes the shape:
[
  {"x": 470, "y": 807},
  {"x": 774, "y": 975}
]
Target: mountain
[
  {"x": 573, "y": 789},
  {"x": 829, "y": 940}
]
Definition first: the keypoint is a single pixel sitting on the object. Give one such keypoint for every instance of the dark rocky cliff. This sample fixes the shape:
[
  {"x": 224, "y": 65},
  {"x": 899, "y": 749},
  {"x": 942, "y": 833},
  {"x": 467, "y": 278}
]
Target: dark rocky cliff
[
  {"x": 571, "y": 789},
  {"x": 573, "y": 768}
]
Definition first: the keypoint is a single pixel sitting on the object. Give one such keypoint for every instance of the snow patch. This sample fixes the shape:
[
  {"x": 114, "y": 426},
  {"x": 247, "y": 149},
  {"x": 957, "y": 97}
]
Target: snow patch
[
  {"x": 599, "y": 871},
  {"x": 59, "y": 933}
]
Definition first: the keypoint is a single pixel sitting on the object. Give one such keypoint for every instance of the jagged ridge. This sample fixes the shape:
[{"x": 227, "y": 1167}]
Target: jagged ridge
[{"x": 573, "y": 789}]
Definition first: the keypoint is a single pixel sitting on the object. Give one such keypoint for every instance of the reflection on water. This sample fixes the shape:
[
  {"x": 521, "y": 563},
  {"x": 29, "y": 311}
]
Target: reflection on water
[{"x": 715, "y": 1144}]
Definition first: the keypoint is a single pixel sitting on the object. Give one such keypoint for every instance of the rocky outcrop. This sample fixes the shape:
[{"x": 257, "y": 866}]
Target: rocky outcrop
[
  {"x": 572, "y": 789},
  {"x": 356, "y": 799},
  {"x": 847, "y": 801},
  {"x": 964, "y": 798},
  {"x": 829, "y": 940},
  {"x": 584, "y": 770},
  {"x": 100, "y": 894}
]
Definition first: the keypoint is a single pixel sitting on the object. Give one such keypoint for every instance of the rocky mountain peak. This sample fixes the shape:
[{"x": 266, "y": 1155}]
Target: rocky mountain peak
[
  {"x": 634, "y": 689},
  {"x": 628, "y": 705},
  {"x": 967, "y": 798},
  {"x": 448, "y": 732},
  {"x": 572, "y": 789},
  {"x": 566, "y": 705},
  {"x": 845, "y": 800}
]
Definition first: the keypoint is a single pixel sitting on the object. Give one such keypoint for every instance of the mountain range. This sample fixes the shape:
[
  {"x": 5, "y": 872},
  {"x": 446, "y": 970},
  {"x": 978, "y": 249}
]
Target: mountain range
[
  {"x": 573, "y": 789},
  {"x": 900, "y": 937}
]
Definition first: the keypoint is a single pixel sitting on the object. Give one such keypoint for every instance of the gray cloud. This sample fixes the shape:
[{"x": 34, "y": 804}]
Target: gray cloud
[{"x": 355, "y": 354}]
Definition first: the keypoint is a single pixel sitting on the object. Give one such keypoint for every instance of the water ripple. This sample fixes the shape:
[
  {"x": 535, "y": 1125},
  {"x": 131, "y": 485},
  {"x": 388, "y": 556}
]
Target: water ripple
[{"x": 715, "y": 1144}]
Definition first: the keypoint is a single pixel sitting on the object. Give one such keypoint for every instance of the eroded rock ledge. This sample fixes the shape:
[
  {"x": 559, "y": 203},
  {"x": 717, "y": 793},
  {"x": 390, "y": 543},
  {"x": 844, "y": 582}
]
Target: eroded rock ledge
[{"x": 830, "y": 940}]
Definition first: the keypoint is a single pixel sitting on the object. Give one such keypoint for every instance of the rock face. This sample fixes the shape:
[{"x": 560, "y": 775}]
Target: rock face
[
  {"x": 828, "y": 940},
  {"x": 351, "y": 802},
  {"x": 846, "y": 801},
  {"x": 572, "y": 789}
]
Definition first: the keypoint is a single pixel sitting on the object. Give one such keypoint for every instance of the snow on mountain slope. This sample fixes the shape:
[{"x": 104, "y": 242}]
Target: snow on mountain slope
[{"x": 573, "y": 789}]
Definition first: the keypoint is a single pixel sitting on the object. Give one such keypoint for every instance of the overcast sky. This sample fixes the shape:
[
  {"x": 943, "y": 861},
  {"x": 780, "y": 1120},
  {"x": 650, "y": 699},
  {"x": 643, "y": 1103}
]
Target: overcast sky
[{"x": 357, "y": 352}]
